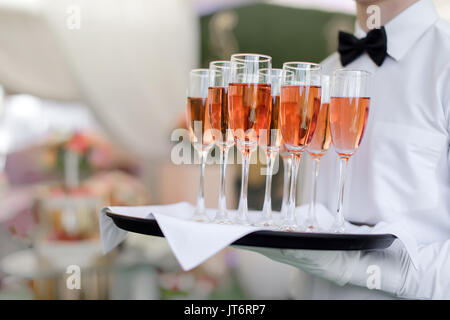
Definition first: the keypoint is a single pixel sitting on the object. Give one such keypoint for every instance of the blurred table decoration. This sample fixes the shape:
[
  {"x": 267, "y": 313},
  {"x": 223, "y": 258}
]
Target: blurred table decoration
[
  {"x": 53, "y": 208},
  {"x": 70, "y": 216},
  {"x": 81, "y": 154}
]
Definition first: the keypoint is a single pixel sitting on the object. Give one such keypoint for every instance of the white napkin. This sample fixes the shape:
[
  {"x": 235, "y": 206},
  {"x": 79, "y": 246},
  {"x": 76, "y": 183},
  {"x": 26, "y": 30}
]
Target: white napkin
[{"x": 193, "y": 242}]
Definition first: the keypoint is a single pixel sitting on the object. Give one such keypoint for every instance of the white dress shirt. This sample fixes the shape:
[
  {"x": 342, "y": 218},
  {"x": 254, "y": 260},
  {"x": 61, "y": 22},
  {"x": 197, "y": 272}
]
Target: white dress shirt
[{"x": 402, "y": 167}]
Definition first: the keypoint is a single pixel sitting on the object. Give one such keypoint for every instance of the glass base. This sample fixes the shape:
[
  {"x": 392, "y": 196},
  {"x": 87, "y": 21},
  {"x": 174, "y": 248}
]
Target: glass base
[
  {"x": 223, "y": 221},
  {"x": 311, "y": 228},
  {"x": 278, "y": 222},
  {"x": 222, "y": 218},
  {"x": 266, "y": 224},
  {"x": 199, "y": 217},
  {"x": 289, "y": 227},
  {"x": 337, "y": 228},
  {"x": 310, "y": 225},
  {"x": 242, "y": 222}
]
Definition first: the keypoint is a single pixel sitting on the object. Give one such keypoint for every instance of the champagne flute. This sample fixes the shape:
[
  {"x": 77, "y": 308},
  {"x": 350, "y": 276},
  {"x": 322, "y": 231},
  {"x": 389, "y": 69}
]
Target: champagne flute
[
  {"x": 270, "y": 143},
  {"x": 249, "y": 102},
  {"x": 220, "y": 125},
  {"x": 300, "y": 105},
  {"x": 349, "y": 109},
  {"x": 198, "y": 124},
  {"x": 319, "y": 145}
]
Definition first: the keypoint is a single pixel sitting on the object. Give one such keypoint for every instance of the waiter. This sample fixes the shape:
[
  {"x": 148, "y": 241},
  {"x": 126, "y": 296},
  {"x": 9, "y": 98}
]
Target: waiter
[{"x": 402, "y": 168}]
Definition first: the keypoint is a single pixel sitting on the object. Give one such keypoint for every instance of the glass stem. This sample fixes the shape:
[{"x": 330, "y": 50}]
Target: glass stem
[
  {"x": 242, "y": 215},
  {"x": 339, "y": 221},
  {"x": 267, "y": 207},
  {"x": 222, "y": 207},
  {"x": 291, "y": 222},
  {"x": 311, "y": 222},
  {"x": 287, "y": 165},
  {"x": 201, "y": 196}
]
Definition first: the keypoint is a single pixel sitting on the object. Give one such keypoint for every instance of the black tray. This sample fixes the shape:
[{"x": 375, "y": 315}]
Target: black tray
[{"x": 274, "y": 239}]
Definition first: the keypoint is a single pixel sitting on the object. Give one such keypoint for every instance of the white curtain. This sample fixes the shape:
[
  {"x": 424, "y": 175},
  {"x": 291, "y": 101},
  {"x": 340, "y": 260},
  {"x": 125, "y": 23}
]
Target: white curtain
[{"x": 127, "y": 60}]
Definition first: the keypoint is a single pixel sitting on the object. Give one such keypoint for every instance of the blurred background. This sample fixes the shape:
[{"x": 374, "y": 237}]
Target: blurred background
[{"x": 90, "y": 92}]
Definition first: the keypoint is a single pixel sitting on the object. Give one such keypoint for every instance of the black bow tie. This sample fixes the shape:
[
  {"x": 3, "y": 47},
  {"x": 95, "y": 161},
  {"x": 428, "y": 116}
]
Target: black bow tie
[{"x": 375, "y": 44}]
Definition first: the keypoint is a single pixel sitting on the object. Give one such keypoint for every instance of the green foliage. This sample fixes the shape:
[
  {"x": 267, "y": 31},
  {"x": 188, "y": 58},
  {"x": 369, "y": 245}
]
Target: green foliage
[{"x": 285, "y": 33}]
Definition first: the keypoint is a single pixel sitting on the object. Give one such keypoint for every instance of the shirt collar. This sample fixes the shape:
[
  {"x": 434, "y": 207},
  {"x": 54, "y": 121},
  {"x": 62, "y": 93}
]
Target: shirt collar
[{"x": 406, "y": 28}]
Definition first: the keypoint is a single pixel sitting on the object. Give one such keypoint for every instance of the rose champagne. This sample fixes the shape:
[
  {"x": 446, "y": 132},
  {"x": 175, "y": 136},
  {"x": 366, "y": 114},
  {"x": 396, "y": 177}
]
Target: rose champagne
[
  {"x": 273, "y": 137},
  {"x": 348, "y": 117},
  {"x": 321, "y": 140},
  {"x": 249, "y": 109},
  {"x": 219, "y": 115},
  {"x": 198, "y": 121},
  {"x": 300, "y": 107}
]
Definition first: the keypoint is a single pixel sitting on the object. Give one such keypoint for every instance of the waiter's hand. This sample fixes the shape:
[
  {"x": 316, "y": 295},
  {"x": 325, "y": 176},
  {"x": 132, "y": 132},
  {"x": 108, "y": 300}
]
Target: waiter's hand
[{"x": 385, "y": 270}]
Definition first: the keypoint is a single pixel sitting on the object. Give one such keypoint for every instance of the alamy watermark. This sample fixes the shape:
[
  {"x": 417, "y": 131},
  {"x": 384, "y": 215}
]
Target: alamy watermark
[
  {"x": 182, "y": 153},
  {"x": 374, "y": 278},
  {"x": 73, "y": 20},
  {"x": 374, "y": 17},
  {"x": 73, "y": 281}
]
